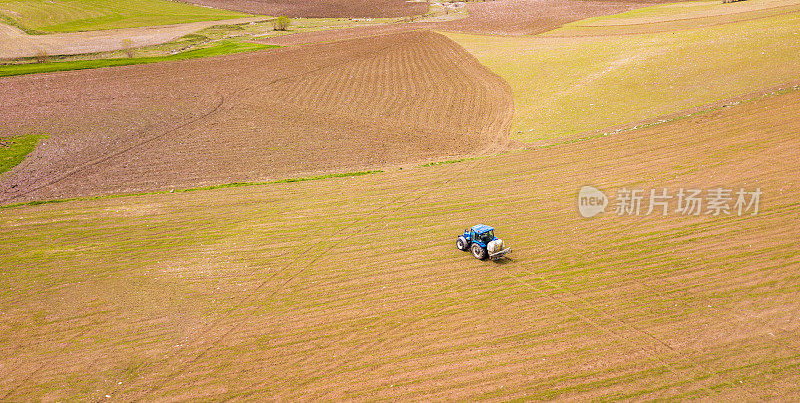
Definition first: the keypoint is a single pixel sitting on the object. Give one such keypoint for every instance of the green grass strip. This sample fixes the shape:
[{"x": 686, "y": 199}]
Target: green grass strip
[
  {"x": 212, "y": 187},
  {"x": 14, "y": 149},
  {"x": 220, "y": 48}
]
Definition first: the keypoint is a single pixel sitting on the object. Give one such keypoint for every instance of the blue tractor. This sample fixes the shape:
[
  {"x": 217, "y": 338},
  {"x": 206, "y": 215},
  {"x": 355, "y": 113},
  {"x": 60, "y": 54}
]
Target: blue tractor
[{"x": 481, "y": 241}]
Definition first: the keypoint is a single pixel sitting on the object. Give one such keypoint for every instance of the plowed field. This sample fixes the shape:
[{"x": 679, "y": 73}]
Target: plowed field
[
  {"x": 353, "y": 288},
  {"x": 366, "y": 103}
]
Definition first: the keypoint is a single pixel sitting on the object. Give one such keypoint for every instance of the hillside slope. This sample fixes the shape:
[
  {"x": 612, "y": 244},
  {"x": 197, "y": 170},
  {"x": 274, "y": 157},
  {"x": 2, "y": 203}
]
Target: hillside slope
[
  {"x": 366, "y": 103},
  {"x": 353, "y": 288}
]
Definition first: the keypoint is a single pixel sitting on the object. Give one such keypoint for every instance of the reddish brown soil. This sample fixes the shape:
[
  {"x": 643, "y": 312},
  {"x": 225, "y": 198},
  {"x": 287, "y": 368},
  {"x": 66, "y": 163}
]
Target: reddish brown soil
[
  {"x": 321, "y": 8},
  {"x": 345, "y": 106},
  {"x": 525, "y": 17},
  {"x": 505, "y": 17}
]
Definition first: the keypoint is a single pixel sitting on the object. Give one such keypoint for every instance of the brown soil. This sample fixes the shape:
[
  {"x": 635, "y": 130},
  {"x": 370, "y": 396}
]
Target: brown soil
[
  {"x": 361, "y": 104},
  {"x": 321, "y": 8},
  {"x": 505, "y": 17},
  {"x": 527, "y": 17},
  {"x": 341, "y": 34},
  {"x": 353, "y": 289}
]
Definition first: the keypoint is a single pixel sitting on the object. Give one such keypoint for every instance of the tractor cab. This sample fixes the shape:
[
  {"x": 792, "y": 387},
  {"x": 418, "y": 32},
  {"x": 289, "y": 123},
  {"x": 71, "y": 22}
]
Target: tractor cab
[{"x": 481, "y": 234}]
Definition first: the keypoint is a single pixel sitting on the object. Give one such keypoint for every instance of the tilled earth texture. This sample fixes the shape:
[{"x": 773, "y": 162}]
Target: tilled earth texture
[
  {"x": 353, "y": 287},
  {"x": 366, "y": 103}
]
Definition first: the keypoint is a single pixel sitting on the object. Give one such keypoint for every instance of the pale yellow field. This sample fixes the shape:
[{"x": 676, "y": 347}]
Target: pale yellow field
[
  {"x": 568, "y": 85},
  {"x": 687, "y": 10}
]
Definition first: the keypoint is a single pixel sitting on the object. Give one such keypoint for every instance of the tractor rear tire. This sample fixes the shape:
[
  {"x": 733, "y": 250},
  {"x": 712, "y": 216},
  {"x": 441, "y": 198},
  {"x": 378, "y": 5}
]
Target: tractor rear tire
[
  {"x": 462, "y": 244},
  {"x": 478, "y": 252}
]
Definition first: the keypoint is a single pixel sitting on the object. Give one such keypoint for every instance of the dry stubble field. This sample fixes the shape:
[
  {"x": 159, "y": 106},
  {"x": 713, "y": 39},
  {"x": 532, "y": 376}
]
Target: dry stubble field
[
  {"x": 353, "y": 288},
  {"x": 362, "y": 104}
]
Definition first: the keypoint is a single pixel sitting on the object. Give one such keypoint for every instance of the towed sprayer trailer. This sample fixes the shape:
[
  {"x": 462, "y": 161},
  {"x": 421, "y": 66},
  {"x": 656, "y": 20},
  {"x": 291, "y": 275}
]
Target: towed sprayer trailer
[{"x": 481, "y": 241}]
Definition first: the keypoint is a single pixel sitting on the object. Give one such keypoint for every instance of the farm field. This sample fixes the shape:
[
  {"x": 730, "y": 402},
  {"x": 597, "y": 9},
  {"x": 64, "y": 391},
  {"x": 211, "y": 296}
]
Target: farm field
[
  {"x": 322, "y": 8},
  {"x": 502, "y": 16},
  {"x": 16, "y": 44},
  {"x": 46, "y": 16},
  {"x": 496, "y": 17},
  {"x": 17, "y": 47},
  {"x": 678, "y": 16},
  {"x": 353, "y": 288},
  {"x": 217, "y": 48},
  {"x": 566, "y": 85},
  {"x": 687, "y": 10},
  {"x": 528, "y": 17},
  {"x": 180, "y": 221},
  {"x": 364, "y": 104}
]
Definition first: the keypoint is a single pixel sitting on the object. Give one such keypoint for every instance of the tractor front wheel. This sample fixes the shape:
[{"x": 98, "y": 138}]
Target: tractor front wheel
[
  {"x": 461, "y": 244},
  {"x": 478, "y": 252}
]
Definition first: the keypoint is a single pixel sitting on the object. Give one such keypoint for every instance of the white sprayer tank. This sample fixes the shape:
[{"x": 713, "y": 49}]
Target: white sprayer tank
[{"x": 495, "y": 246}]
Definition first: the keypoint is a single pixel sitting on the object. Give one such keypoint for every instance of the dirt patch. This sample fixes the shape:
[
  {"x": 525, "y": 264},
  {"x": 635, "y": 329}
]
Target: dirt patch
[
  {"x": 344, "y": 106},
  {"x": 322, "y": 8}
]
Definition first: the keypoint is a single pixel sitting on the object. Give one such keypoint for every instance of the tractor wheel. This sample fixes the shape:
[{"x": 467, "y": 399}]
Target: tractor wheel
[
  {"x": 461, "y": 244},
  {"x": 478, "y": 252}
]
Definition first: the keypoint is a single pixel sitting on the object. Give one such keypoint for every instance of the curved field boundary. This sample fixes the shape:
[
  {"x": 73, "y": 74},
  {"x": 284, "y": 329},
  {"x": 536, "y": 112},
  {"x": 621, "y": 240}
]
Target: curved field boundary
[
  {"x": 219, "y": 48},
  {"x": 14, "y": 149},
  {"x": 581, "y": 30},
  {"x": 17, "y": 44},
  {"x": 529, "y": 17},
  {"x": 567, "y": 86},
  {"x": 688, "y": 10},
  {"x": 685, "y": 114},
  {"x": 45, "y": 16},
  {"x": 356, "y": 105},
  {"x": 498, "y": 17}
]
